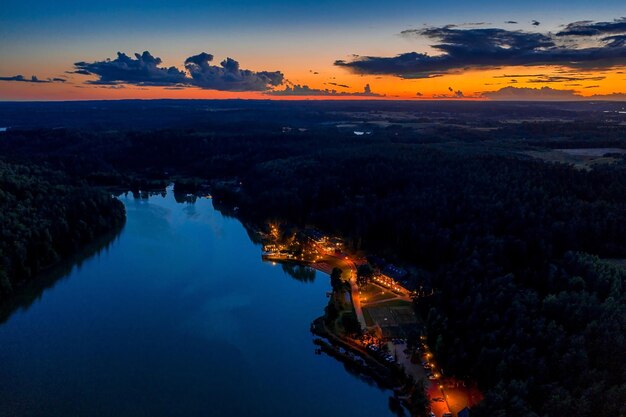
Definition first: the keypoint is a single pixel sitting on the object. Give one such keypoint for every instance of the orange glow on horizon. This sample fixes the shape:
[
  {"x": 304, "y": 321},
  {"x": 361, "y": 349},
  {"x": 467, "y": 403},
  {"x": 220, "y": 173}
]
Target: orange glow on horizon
[{"x": 472, "y": 83}]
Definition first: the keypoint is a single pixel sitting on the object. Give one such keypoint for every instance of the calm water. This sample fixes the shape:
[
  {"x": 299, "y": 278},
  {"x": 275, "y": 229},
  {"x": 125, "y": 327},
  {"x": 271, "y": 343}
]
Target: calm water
[{"x": 178, "y": 317}]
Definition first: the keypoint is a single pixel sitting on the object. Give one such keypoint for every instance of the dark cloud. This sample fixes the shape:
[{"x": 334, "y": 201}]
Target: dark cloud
[
  {"x": 305, "y": 90},
  {"x": 511, "y": 22},
  {"x": 590, "y": 28},
  {"x": 33, "y": 79},
  {"x": 339, "y": 85},
  {"x": 535, "y": 22},
  {"x": 455, "y": 94},
  {"x": 228, "y": 76},
  {"x": 615, "y": 41},
  {"x": 540, "y": 78},
  {"x": 484, "y": 48},
  {"x": 146, "y": 70},
  {"x": 518, "y": 75},
  {"x": 547, "y": 93},
  {"x": 418, "y": 94},
  {"x": 563, "y": 79},
  {"x": 79, "y": 72}
]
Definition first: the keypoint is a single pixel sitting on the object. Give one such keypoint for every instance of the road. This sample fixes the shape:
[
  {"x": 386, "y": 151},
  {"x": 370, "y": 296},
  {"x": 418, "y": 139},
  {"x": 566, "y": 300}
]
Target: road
[{"x": 356, "y": 299}]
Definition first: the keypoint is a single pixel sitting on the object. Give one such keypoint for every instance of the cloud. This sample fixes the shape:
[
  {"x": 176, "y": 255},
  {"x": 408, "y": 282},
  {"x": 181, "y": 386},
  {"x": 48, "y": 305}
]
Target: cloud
[
  {"x": 590, "y": 28},
  {"x": 610, "y": 97},
  {"x": 540, "y": 78},
  {"x": 455, "y": 94},
  {"x": 79, "y": 72},
  {"x": 146, "y": 70},
  {"x": 33, "y": 79},
  {"x": 511, "y": 22},
  {"x": 305, "y": 90},
  {"x": 561, "y": 79},
  {"x": 616, "y": 41},
  {"x": 524, "y": 93},
  {"x": 228, "y": 76},
  {"x": 535, "y": 22},
  {"x": 484, "y": 48},
  {"x": 339, "y": 85},
  {"x": 547, "y": 94}
]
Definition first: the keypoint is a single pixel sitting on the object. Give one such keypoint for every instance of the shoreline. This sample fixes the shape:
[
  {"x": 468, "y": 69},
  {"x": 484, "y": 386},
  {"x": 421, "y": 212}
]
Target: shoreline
[{"x": 350, "y": 354}]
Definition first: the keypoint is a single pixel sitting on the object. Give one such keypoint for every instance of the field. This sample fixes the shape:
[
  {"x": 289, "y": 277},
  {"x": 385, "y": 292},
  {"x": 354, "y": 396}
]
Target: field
[{"x": 582, "y": 158}]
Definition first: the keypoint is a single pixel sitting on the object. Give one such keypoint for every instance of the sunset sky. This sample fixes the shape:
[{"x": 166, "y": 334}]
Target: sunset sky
[{"x": 344, "y": 49}]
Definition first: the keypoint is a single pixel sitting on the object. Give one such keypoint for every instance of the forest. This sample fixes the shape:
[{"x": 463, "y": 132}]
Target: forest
[
  {"x": 530, "y": 297},
  {"x": 45, "y": 217}
]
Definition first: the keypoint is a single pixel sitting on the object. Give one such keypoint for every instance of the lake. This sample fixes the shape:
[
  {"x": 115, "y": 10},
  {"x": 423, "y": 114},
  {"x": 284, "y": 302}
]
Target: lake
[{"x": 178, "y": 316}]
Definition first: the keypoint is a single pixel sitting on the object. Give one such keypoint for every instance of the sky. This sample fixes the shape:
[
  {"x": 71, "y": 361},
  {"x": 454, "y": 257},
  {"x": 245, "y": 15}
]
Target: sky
[{"x": 341, "y": 49}]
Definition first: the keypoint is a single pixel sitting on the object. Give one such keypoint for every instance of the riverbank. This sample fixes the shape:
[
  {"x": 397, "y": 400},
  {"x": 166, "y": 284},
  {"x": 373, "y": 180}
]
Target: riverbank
[
  {"x": 29, "y": 291},
  {"x": 47, "y": 217}
]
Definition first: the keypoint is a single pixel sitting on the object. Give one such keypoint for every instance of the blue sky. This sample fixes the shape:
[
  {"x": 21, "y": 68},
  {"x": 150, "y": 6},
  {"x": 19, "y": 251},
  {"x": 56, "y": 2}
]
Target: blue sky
[{"x": 45, "y": 38}]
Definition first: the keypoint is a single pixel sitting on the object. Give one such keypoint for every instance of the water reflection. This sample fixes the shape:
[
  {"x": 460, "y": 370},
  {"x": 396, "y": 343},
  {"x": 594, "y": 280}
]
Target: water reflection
[
  {"x": 32, "y": 290},
  {"x": 301, "y": 273},
  {"x": 177, "y": 315}
]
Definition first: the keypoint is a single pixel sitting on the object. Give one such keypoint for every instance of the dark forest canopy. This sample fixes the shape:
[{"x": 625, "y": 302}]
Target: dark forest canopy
[
  {"x": 526, "y": 302},
  {"x": 45, "y": 217}
]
